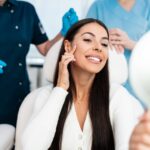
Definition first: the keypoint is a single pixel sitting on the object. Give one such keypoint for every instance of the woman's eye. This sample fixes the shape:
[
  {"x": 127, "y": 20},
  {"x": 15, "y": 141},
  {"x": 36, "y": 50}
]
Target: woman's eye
[
  {"x": 87, "y": 40},
  {"x": 105, "y": 45}
]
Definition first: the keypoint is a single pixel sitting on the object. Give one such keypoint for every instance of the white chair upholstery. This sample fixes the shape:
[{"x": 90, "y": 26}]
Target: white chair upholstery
[
  {"x": 7, "y": 134},
  {"x": 24, "y": 115},
  {"x": 118, "y": 73},
  {"x": 118, "y": 69},
  {"x": 51, "y": 61}
]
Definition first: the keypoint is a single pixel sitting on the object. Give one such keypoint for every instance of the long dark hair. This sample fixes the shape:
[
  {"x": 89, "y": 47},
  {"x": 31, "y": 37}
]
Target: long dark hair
[{"x": 102, "y": 135}]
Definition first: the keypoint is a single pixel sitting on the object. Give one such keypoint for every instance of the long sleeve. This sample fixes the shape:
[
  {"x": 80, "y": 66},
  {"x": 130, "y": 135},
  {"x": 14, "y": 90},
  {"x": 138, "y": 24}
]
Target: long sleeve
[
  {"x": 42, "y": 125},
  {"x": 124, "y": 111}
]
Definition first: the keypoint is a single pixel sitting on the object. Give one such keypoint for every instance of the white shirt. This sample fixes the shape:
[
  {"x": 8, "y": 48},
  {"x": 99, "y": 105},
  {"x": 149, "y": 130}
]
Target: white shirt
[{"x": 39, "y": 131}]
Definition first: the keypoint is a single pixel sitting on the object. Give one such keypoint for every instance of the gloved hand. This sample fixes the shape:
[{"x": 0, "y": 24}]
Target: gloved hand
[
  {"x": 68, "y": 20},
  {"x": 2, "y": 64}
]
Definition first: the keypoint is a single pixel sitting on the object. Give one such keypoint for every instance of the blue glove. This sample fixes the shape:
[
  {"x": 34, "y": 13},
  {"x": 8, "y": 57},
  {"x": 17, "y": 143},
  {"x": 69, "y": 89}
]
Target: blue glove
[
  {"x": 2, "y": 64},
  {"x": 68, "y": 20}
]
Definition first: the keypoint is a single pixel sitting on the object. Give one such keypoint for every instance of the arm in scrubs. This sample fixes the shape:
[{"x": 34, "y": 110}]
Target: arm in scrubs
[{"x": 19, "y": 26}]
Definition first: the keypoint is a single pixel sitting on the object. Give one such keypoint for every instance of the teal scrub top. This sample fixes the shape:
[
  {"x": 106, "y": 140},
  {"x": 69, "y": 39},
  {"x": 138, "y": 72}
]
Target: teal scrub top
[
  {"x": 134, "y": 22},
  {"x": 19, "y": 27}
]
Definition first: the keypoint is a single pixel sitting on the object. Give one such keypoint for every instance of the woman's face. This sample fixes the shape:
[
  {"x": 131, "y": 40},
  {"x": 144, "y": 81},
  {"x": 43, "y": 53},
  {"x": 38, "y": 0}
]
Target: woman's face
[{"x": 91, "y": 51}]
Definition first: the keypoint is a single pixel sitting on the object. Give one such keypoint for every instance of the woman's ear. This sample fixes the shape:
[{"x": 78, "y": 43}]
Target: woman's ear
[{"x": 67, "y": 46}]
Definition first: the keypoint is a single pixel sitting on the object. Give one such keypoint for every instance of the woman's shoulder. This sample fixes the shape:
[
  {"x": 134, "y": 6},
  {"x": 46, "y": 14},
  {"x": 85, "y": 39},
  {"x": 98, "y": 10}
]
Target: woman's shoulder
[
  {"x": 119, "y": 94},
  {"x": 39, "y": 95},
  {"x": 42, "y": 95}
]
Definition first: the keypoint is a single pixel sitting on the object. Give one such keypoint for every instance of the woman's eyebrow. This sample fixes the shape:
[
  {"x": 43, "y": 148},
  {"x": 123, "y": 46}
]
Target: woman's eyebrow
[
  {"x": 88, "y": 33},
  {"x": 104, "y": 38}
]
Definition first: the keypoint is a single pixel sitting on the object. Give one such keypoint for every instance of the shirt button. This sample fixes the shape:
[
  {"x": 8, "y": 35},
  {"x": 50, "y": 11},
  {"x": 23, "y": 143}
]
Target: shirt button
[
  {"x": 20, "y": 45},
  {"x": 20, "y": 64},
  {"x": 79, "y": 148},
  {"x": 16, "y": 27},
  {"x": 80, "y": 136},
  {"x": 12, "y": 11},
  {"x": 20, "y": 83}
]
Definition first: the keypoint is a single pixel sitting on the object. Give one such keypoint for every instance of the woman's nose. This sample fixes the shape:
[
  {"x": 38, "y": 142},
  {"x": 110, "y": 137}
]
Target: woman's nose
[
  {"x": 97, "y": 46},
  {"x": 97, "y": 49}
]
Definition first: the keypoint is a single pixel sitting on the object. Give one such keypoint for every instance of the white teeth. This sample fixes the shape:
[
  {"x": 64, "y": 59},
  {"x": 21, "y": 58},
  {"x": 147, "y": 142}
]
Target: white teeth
[{"x": 93, "y": 58}]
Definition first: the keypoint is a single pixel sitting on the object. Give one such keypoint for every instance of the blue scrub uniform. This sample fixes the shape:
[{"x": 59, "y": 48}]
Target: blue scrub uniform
[
  {"x": 135, "y": 22},
  {"x": 19, "y": 27}
]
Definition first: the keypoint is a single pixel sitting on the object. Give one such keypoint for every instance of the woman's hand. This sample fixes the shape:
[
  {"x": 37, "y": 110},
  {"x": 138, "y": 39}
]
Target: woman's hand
[
  {"x": 63, "y": 74},
  {"x": 119, "y": 39},
  {"x": 140, "y": 139}
]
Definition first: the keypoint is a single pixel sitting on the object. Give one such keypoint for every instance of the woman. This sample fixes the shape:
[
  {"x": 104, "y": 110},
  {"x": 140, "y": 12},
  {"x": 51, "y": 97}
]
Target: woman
[
  {"x": 20, "y": 27},
  {"x": 127, "y": 20},
  {"x": 76, "y": 112}
]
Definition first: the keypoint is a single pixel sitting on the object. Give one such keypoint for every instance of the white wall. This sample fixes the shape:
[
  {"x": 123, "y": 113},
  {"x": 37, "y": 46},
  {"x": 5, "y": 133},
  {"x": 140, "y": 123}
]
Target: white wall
[{"x": 51, "y": 12}]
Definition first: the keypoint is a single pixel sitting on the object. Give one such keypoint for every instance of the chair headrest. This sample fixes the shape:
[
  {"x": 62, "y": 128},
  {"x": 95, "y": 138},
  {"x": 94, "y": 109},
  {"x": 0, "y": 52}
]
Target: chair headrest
[
  {"x": 51, "y": 61},
  {"x": 117, "y": 64},
  {"x": 118, "y": 68}
]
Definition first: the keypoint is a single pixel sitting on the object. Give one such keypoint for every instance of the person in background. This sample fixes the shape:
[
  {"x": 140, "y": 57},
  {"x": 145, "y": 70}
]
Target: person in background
[
  {"x": 82, "y": 110},
  {"x": 127, "y": 21},
  {"x": 140, "y": 139},
  {"x": 19, "y": 27}
]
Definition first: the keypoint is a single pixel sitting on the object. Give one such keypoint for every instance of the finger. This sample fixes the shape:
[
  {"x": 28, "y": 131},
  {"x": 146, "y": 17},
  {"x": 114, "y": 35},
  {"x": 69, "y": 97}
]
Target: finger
[
  {"x": 116, "y": 42},
  {"x": 141, "y": 138},
  {"x": 65, "y": 15},
  {"x": 73, "y": 19},
  {"x": 142, "y": 127},
  {"x": 65, "y": 57},
  {"x": 110, "y": 46},
  {"x": 138, "y": 146},
  {"x": 121, "y": 48},
  {"x": 117, "y": 49},
  {"x": 72, "y": 11},
  {"x": 64, "y": 64},
  {"x": 73, "y": 49},
  {"x": 116, "y": 31},
  {"x": 115, "y": 37}
]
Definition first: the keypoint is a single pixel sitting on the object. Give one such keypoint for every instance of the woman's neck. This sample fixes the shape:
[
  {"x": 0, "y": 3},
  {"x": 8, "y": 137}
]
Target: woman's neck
[
  {"x": 83, "y": 82},
  {"x": 127, "y": 4},
  {"x": 2, "y": 2}
]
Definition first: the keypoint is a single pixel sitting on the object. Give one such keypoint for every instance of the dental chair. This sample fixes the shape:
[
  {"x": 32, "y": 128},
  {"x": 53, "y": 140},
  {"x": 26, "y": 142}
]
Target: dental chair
[
  {"x": 118, "y": 74},
  {"x": 7, "y": 135}
]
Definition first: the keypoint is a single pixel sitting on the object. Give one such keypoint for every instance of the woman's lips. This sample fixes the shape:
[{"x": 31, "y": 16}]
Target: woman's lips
[{"x": 94, "y": 59}]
